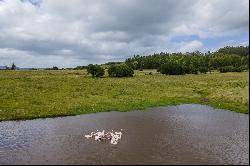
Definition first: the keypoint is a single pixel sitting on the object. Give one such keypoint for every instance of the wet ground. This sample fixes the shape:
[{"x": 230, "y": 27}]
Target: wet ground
[{"x": 184, "y": 134}]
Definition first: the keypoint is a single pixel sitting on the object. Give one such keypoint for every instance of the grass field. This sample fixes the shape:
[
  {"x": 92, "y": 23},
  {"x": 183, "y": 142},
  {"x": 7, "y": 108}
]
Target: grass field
[{"x": 36, "y": 94}]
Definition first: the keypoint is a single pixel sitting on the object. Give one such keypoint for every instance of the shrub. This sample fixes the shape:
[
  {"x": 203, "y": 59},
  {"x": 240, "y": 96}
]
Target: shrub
[
  {"x": 242, "y": 68},
  {"x": 193, "y": 71},
  {"x": 190, "y": 69},
  {"x": 172, "y": 68},
  {"x": 55, "y": 68},
  {"x": 203, "y": 69},
  {"x": 80, "y": 67},
  {"x": 95, "y": 70},
  {"x": 120, "y": 70},
  {"x": 226, "y": 69},
  {"x": 13, "y": 66}
]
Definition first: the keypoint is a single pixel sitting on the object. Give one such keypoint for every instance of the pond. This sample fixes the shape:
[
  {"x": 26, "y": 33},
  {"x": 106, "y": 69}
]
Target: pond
[{"x": 183, "y": 134}]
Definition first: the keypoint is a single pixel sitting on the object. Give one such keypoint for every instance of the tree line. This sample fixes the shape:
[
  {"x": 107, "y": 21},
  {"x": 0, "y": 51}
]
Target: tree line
[{"x": 227, "y": 59}]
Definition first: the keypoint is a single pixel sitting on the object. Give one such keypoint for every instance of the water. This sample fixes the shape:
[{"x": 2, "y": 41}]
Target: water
[{"x": 184, "y": 134}]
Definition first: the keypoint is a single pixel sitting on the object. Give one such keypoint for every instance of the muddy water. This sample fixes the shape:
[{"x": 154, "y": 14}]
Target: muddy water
[{"x": 184, "y": 134}]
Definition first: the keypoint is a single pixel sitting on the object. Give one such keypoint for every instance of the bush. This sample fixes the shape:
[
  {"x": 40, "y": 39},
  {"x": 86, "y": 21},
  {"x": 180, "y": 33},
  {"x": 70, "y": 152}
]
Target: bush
[
  {"x": 190, "y": 70},
  {"x": 80, "y": 67},
  {"x": 55, "y": 68},
  {"x": 203, "y": 69},
  {"x": 120, "y": 70},
  {"x": 242, "y": 68},
  {"x": 95, "y": 70},
  {"x": 172, "y": 68},
  {"x": 13, "y": 67},
  {"x": 226, "y": 69}
]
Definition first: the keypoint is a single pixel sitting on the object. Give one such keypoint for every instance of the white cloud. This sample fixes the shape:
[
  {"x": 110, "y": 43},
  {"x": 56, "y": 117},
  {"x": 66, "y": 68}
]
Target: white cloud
[
  {"x": 94, "y": 31},
  {"x": 30, "y": 59},
  {"x": 191, "y": 46}
]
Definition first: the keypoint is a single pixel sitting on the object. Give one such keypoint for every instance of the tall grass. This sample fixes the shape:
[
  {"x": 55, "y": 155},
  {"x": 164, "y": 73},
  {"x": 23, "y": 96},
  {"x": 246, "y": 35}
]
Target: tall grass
[{"x": 35, "y": 94}]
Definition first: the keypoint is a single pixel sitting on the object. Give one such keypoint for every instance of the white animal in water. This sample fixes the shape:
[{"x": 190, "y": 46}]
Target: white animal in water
[{"x": 114, "y": 137}]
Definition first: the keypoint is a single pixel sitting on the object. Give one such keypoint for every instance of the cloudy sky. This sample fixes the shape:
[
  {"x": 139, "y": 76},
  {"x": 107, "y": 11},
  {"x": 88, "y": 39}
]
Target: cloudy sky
[{"x": 43, "y": 33}]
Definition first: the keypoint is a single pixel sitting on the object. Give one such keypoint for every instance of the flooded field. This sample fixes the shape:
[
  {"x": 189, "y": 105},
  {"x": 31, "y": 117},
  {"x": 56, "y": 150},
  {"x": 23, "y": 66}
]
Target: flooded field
[{"x": 183, "y": 134}]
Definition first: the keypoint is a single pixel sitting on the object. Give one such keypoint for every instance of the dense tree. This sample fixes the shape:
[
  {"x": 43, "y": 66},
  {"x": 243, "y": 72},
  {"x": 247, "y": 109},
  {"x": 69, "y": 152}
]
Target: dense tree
[
  {"x": 55, "y": 68},
  {"x": 230, "y": 69},
  {"x": 113, "y": 63},
  {"x": 193, "y": 62},
  {"x": 172, "y": 68},
  {"x": 120, "y": 70},
  {"x": 95, "y": 70},
  {"x": 80, "y": 67},
  {"x": 13, "y": 66},
  {"x": 240, "y": 50}
]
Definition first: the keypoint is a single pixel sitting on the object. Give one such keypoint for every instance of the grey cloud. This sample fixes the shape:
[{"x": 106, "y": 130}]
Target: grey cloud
[{"x": 92, "y": 31}]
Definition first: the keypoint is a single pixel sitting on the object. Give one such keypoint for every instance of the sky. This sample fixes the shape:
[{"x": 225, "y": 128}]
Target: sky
[{"x": 46, "y": 33}]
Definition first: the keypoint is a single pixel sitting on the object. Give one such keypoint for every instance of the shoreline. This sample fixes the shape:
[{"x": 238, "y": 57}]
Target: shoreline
[{"x": 131, "y": 110}]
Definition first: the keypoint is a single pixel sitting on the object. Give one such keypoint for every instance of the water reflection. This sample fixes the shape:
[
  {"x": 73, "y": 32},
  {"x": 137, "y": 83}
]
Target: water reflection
[{"x": 184, "y": 134}]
